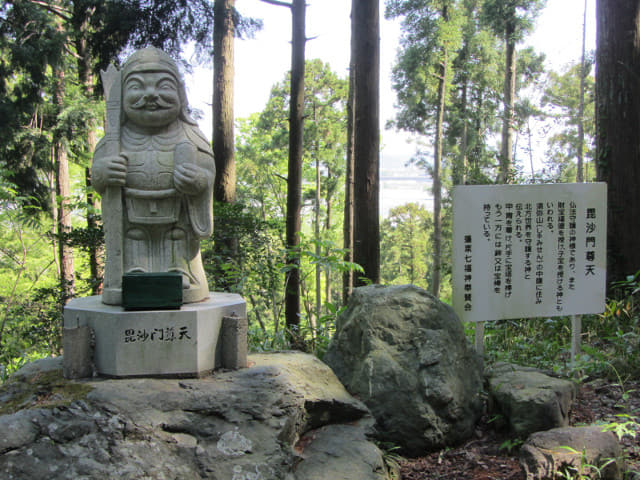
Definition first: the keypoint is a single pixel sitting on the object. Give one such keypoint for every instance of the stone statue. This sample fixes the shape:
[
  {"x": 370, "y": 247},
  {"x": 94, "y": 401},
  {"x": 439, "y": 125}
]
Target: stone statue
[{"x": 155, "y": 171}]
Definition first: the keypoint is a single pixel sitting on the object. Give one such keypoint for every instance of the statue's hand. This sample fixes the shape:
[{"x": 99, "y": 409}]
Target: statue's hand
[
  {"x": 110, "y": 171},
  {"x": 190, "y": 179}
]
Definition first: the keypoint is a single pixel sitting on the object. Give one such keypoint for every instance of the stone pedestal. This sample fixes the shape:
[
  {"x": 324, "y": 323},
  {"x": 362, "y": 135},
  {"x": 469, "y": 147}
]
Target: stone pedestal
[{"x": 185, "y": 342}]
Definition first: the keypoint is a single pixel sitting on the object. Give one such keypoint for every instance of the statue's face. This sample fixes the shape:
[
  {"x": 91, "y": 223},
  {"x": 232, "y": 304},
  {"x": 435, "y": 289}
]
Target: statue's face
[{"x": 151, "y": 99}]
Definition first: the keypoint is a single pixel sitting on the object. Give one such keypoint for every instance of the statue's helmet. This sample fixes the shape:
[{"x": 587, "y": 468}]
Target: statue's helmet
[{"x": 151, "y": 59}]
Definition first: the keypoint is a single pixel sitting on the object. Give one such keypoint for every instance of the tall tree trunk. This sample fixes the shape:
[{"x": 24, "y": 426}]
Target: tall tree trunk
[
  {"x": 506, "y": 147},
  {"x": 365, "y": 31},
  {"x": 327, "y": 226},
  {"x": 224, "y": 189},
  {"x": 223, "y": 138},
  {"x": 580, "y": 163},
  {"x": 51, "y": 177},
  {"x": 460, "y": 166},
  {"x": 437, "y": 183},
  {"x": 317, "y": 235},
  {"x": 461, "y": 176},
  {"x": 294, "y": 180},
  {"x": 63, "y": 194},
  {"x": 86, "y": 79},
  {"x": 412, "y": 254},
  {"x": 617, "y": 127},
  {"x": 347, "y": 232},
  {"x": 65, "y": 251},
  {"x": 479, "y": 128}
]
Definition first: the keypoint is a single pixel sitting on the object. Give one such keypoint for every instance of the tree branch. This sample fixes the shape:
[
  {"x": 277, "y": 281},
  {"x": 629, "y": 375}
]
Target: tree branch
[
  {"x": 281, "y": 177},
  {"x": 71, "y": 52},
  {"x": 55, "y": 9},
  {"x": 278, "y": 3}
]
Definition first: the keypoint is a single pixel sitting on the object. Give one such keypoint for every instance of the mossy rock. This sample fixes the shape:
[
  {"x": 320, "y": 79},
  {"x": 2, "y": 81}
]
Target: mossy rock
[
  {"x": 529, "y": 400},
  {"x": 40, "y": 388}
]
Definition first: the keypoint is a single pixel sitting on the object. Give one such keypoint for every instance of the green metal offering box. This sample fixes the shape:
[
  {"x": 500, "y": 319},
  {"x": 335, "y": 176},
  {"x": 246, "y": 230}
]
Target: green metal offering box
[{"x": 152, "y": 291}]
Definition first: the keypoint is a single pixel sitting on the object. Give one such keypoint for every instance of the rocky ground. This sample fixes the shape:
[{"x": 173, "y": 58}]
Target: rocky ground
[
  {"x": 205, "y": 425},
  {"x": 494, "y": 455},
  {"x": 234, "y": 424}
]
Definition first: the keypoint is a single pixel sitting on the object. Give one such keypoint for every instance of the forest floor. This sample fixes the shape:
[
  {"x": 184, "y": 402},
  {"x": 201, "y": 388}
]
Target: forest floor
[{"x": 493, "y": 455}]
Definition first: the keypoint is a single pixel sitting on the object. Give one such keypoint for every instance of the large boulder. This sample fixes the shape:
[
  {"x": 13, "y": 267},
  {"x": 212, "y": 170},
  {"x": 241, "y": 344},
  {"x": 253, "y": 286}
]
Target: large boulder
[
  {"x": 528, "y": 399},
  {"x": 404, "y": 353},
  {"x": 572, "y": 452},
  {"x": 275, "y": 420}
]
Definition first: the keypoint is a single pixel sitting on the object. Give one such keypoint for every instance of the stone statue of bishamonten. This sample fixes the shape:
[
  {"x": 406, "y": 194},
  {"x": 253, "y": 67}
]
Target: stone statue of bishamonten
[{"x": 155, "y": 170}]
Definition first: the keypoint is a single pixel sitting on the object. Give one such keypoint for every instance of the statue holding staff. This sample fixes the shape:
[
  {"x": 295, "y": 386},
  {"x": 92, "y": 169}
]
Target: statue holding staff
[{"x": 156, "y": 176}]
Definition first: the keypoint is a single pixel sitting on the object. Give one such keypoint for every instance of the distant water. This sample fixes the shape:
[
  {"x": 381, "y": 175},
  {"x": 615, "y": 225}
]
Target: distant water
[{"x": 396, "y": 191}]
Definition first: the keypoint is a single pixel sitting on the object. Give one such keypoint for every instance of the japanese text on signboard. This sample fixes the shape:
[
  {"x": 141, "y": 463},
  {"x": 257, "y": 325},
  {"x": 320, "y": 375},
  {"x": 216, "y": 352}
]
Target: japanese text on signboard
[{"x": 529, "y": 250}]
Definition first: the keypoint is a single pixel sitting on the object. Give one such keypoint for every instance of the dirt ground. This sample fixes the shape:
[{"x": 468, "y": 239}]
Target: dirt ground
[{"x": 493, "y": 455}]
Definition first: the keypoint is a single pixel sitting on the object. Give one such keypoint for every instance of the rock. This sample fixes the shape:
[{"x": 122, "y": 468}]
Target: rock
[
  {"x": 40, "y": 383},
  {"x": 404, "y": 353},
  {"x": 339, "y": 452},
  {"x": 17, "y": 430},
  {"x": 236, "y": 425},
  {"x": 585, "y": 451},
  {"x": 529, "y": 400},
  {"x": 38, "y": 367}
]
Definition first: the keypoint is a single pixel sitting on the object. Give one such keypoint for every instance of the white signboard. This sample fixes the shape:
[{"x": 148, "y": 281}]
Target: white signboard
[{"x": 523, "y": 251}]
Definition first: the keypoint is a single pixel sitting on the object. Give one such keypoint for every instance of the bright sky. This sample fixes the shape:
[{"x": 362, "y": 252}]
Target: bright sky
[{"x": 264, "y": 60}]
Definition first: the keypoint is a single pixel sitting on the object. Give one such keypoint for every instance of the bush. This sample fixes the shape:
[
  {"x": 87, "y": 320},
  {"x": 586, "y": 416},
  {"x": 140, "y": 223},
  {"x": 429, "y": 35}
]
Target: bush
[{"x": 32, "y": 329}]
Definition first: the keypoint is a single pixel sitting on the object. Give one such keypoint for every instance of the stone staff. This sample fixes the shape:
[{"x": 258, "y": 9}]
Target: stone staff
[{"x": 112, "y": 196}]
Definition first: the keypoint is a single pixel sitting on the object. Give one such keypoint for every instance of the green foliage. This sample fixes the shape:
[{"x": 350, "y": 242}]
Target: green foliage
[
  {"x": 561, "y": 102},
  {"x": 404, "y": 247},
  {"x": 583, "y": 471},
  {"x": 166, "y": 24},
  {"x": 262, "y": 151},
  {"x": 515, "y": 16},
  {"x": 255, "y": 270},
  {"x": 320, "y": 324},
  {"x": 392, "y": 458},
  {"x": 29, "y": 44},
  {"x": 249, "y": 261},
  {"x": 473, "y": 113},
  {"x": 51, "y": 48},
  {"x": 511, "y": 445},
  {"x": 628, "y": 427},
  {"x": 32, "y": 329},
  {"x": 262, "y": 145},
  {"x": 432, "y": 34},
  {"x": 610, "y": 341},
  {"x": 538, "y": 342},
  {"x": 30, "y": 313}
]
